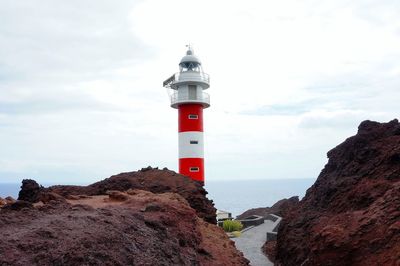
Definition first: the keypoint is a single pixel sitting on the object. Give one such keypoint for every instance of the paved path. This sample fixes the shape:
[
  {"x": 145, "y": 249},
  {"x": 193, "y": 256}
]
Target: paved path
[{"x": 251, "y": 241}]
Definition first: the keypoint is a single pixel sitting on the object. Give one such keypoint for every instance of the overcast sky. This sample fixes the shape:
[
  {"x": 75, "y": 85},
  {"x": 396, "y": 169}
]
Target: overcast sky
[{"x": 81, "y": 94}]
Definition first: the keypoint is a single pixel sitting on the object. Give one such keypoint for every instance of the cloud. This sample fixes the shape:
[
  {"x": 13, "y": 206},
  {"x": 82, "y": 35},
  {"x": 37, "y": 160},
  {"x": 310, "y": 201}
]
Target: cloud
[
  {"x": 47, "y": 41},
  {"x": 342, "y": 119},
  {"x": 81, "y": 93},
  {"x": 281, "y": 109},
  {"x": 38, "y": 106}
]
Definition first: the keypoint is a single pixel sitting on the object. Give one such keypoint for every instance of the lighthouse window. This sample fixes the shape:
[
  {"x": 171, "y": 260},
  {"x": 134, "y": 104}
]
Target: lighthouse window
[
  {"x": 194, "y": 169},
  {"x": 193, "y": 117},
  {"x": 194, "y": 142}
]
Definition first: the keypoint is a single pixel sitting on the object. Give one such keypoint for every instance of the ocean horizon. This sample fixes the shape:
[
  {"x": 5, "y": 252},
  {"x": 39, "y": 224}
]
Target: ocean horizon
[
  {"x": 238, "y": 196},
  {"x": 235, "y": 196},
  {"x": 9, "y": 189},
  {"x": 12, "y": 189}
]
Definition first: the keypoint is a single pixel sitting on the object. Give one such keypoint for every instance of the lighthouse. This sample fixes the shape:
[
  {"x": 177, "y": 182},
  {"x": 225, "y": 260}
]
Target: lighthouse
[{"x": 187, "y": 95}]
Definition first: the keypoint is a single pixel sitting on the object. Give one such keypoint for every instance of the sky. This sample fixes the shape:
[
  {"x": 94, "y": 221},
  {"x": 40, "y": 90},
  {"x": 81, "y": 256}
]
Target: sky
[{"x": 81, "y": 94}]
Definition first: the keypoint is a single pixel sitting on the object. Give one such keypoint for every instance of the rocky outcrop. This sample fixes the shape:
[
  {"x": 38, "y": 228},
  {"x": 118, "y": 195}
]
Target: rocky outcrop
[
  {"x": 122, "y": 228},
  {"x": 10, "y": 200},
  {"x": 153, "y": 180},
  {"x": 280, "y": 208},
  {"x": 6, "y": 201},
  {"x": 269, "y": 249},
  {"x": 351, "y": 215},
  {"x": 2, "y": 202},
  {"x": 30, "y": 191}
]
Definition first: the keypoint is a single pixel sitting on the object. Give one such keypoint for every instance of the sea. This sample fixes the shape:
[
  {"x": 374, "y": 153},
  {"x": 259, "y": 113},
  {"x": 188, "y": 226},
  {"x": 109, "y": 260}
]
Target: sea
[
  {"x": 9, "y": 190},
  {"x": 238, "y": 196},
  {"x": 234, "y": 196}
]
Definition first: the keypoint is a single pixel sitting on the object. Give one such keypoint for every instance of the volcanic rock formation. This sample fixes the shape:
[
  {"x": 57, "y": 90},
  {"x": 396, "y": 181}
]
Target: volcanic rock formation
[
  {"x": 280, "y": 208},
  {"x": 269, "y": 249},
  {"x": 2, "y": 202},
  {"x": 115, "y": 227},
  {"x": 133, "y": 228},
  {"x": 30, "y": 191},
  {"x": 7, "y": 200},
  {"x": 351, "y": 215},
  {"x": 153, "y": 180}
]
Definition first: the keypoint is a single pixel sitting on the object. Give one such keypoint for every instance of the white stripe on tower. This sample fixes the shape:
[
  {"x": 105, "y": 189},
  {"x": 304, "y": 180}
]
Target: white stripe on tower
[{"x": 191, "y": 144}]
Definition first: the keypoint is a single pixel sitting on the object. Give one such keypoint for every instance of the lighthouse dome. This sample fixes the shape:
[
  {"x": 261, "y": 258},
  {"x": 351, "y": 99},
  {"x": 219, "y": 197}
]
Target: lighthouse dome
[
  {"x": 190, "y": 61},
  {"x": 190, "y": 58}
]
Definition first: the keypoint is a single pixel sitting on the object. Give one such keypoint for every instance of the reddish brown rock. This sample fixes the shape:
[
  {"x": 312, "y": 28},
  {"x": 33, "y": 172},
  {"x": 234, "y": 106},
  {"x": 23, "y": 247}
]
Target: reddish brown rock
[
  {"x": 144, "y": 229},
  {"x": 18, "y": 205},
  {"x": 117, "y": 195},
  {"x": 10, "y": 200},
  {"x": 2, "y": 202},
  {"x": 269, "y": 248},
  {"x": 279, "y": 208},
  {"x": 350, "y": 216},
  {"x": 153, "y": 180},
  {"x": 46, "y": 197}
]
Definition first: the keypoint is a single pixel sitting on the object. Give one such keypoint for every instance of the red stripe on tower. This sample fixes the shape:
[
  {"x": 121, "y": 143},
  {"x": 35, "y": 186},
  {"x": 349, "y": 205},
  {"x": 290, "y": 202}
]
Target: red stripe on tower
[
  {"x": 189, "y": 98},
  {"x": 193, "y": 167},
  {"x": 190, "y": 117}
]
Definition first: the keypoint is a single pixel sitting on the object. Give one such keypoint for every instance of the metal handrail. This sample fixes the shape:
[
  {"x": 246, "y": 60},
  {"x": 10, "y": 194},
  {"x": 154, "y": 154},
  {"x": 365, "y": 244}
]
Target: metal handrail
[
  {"x": 179, "y": 98},
  {"x": 186, "y": 76},
  {"x": 180, "y": 76}
]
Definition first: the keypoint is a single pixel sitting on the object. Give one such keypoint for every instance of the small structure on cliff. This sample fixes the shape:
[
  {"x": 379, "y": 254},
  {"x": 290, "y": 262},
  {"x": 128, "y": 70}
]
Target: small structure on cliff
[
  {"x": 223, "y": 215},
  {"x": 189, "y": 98}
]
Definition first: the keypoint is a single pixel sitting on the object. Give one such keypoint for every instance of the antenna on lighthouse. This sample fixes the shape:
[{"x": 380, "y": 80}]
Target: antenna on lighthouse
[{"x": 190, "y": 49}]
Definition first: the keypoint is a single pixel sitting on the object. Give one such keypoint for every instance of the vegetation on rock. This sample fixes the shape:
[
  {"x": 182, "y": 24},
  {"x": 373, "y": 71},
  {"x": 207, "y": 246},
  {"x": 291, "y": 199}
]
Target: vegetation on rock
[{"x": 232, "y": 225}]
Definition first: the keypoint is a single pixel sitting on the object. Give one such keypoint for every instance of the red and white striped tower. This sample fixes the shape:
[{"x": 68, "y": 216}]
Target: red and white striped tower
[{"x": 189, "y": 98}]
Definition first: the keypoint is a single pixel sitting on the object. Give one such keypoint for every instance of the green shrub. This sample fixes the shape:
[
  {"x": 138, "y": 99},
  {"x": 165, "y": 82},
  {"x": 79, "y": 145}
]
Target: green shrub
[{"x": 232, "y": 225}]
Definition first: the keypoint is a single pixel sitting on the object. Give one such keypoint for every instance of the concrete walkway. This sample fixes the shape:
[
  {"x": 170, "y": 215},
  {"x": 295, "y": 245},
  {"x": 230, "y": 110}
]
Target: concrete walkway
[{"x": 251, "y": 241}]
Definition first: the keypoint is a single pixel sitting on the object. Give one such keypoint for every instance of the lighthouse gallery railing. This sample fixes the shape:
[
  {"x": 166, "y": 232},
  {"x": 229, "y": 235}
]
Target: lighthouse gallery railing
[
  {"x": 176, "y": 97},
  {"x": 187, "y": 76}
]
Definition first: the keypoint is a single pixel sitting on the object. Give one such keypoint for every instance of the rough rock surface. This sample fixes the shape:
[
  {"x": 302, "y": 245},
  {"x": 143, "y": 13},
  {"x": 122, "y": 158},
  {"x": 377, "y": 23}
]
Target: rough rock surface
[
  {"x": 279, "y": 208},
  {"x": 351, "y": 215},
  {"x": 269, "y": 249},
  {"x": 30, "y": 191},
  {"x": 9, "y": 200},
  {"x": 2, "y": 202},
  {"x": 153, "y": 180},
  {"x": 133, "y": 228},
  {"x": 6, "y": 201}
]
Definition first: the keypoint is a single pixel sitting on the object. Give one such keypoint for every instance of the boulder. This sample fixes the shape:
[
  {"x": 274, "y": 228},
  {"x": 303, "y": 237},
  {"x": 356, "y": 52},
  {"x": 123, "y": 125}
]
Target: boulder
[{"x": 30, "y": 191}]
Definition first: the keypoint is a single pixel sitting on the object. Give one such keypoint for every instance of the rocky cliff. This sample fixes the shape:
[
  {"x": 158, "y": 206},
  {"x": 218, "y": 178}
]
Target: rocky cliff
[
  {"x": 153, "y": 180},
  {"x": 280, "y": 208},
  {"x": 115, "y": 223},
  {"x": 351, "y": 215}
]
